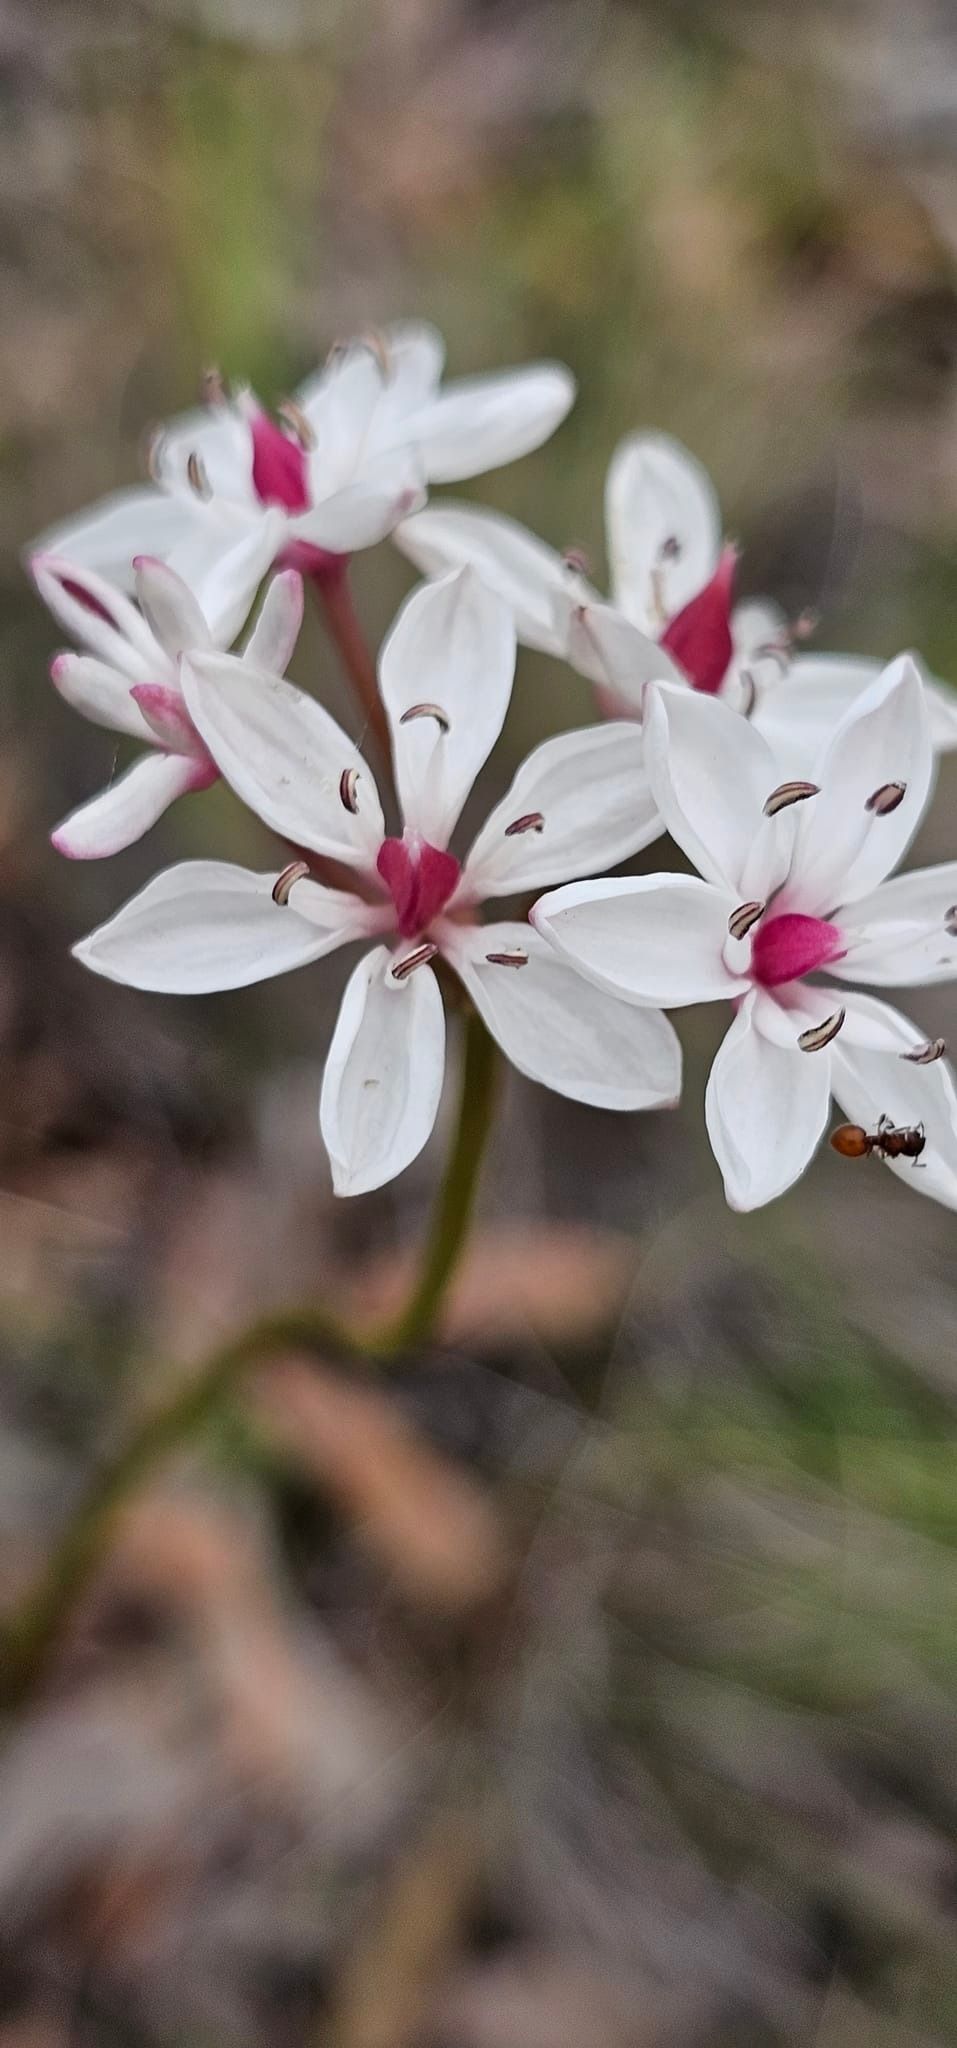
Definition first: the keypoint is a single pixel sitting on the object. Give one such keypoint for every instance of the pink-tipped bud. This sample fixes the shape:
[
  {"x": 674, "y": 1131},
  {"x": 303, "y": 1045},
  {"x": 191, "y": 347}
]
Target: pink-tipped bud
[{"x": 699, "y": 636}]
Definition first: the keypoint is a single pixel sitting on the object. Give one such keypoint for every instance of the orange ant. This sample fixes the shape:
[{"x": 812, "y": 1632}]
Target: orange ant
[{"x": 889, "y": 1141}]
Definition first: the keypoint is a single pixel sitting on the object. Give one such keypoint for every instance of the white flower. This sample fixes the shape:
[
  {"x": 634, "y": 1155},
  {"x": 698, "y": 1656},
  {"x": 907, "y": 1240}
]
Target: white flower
[
  {"x": 446, "y": 678},
  {"x": 128, "y": 680},
  {"x": 794, "y": 882},
  {"x": 671, "y": 617},
  {"x": 234, "y": 492}
]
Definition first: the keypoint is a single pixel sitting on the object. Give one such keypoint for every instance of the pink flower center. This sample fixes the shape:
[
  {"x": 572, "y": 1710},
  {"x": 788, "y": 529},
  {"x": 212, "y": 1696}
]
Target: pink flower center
[
  {"x": 786, "y": 948},
  {"x": 279, "y": 466},
  {"x": 699, "y": 636},
  {"x": 420, "y": 879}
]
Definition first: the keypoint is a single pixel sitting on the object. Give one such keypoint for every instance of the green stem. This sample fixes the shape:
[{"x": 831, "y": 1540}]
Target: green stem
[
  {"x": 456, "y": 1198},
  {"x": 29, "y": 1638}
]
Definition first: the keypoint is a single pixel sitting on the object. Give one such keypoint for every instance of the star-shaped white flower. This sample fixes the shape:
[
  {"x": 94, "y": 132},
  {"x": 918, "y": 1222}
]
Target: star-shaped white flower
[
  {"x": 128, "y": 679},
  {"x": 233, "y": 491},
  {"x": 793, "y": 884},
  {"x": 446, "y": 677},
  {"x": 671, "y": 617}
]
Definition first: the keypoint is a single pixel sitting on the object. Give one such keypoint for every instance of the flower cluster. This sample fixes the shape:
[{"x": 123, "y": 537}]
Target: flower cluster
[{"x": 794, "y": 782}]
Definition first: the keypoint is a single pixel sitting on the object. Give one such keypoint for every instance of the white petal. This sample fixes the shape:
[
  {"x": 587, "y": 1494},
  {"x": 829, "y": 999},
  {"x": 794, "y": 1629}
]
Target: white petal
[
  {"x": 366, "y": 511},
  {"x": 339, "y": 403},
  {"x": 219, "y": 438},
  {"x": 477, "y": 423},
  {"x": 843, "y": 850},
  {"x": 100, "y": 693},
  {"x": 897, "y": 937},
  {"x": 604, "y": 646},
  {"x": 526, "y": 573},
  {"x": 711, "y": 774},
  {"x": 592, "y": 794},
  {"x": 452, "y": 645},
  {"x": 871, "y": 1084},
  {"x": 125, "y": 524},
  {"x": 415, "y": 359},
  {"x": 656, "y": 493},
  {"x": 798, "y": 711},
  {"x": 766, "y": 1108},
  {"x": 225, "y": 563},
  {"x": 559, "y": 1029},
  {"x": 649, "y": 938},
  {"x": 756, "y": 625},
  {"x": 206, "y": 925},
  {"x": 128, "y": 808},
  {"x": 107, "y": 623},
  {"x": 284, "y": 756},
  {"x": 383, "y": 1078},
  {"x": 272, "y": 642},
  {"x": 170, "y": 607}
]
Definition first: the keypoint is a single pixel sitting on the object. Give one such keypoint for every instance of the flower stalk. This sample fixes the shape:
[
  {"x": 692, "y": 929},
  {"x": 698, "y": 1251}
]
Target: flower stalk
[
  {"x": 29, "y": 1638},
  {"x": 334, "y": 592}
]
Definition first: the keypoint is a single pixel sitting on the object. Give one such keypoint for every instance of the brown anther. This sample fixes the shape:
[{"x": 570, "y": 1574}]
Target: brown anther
[
  {"x": 533, "y": 821},
  {"x": 426, "y": 711},
  {"x": 375, "y": 341},
  {"x": 577, "y": 561},
  {"x": 670, "y": 549},
  {"x": 198, "y": 479},
  {"x": 348, "y": 786},
  {"x": 519, "y": 958},
  {"x": 950, "y": 921},
  {"x": 300, "y": 427},
  {"x": 419, "y": 957},
  {"x": 295, "y": 872},
  {"x": 789, "y": 793},
  {"x": 750, "y": 697},
  {"x": 819, "y": 1035},
  {"x": 744, "y": 919},
  {"x": 212, "y": 386},
  {"x": 925, "y": 1055},
  {"x": 886, "y": 799}
]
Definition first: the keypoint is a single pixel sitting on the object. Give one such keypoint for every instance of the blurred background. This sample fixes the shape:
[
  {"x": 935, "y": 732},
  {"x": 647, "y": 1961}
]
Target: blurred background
[{"x": 590, "y": 1679}]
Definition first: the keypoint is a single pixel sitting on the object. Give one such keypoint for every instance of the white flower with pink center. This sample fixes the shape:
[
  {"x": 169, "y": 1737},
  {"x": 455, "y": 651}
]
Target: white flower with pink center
[
  {"x": 128, "y": 679},
  {"x": 351, "y": 455},
  {"x": 671, "y": 616},
  {"x": 793, "y": 886},
  {"x": 446, "y": 675}
]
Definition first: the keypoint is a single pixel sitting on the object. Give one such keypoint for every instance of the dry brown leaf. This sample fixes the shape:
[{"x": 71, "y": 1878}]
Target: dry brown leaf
[{"x": 425, "y": 1519}]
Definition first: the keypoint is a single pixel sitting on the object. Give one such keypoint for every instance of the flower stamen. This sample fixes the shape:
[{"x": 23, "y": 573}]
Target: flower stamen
[
  {"x": 789, "y": 793},
  {"x": 348, "y": 786},
  {"x": 886, "y": 799},
  {"x": 295, "y": 872},
  {"x": 426, "y": 711},
  {"x": 517, "y": 958},
  {"x": 300, "y": 427},
  {"x": 745, "y": 918},
  {"x": 532, "y": 821},
  {"x": 212, "y": 385},
  {"x": 419, "y": 957},
  {"x": 819, "y": 1035},
  {"x": 950, "y": 921},
  {"x": 925, "y": 1055},
  {"x": 198, "y": 479}
]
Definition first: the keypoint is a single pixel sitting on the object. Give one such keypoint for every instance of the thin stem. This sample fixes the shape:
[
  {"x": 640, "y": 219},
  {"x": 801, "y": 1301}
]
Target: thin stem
[
  {"x": 331, "y": 584},
  {"x": 456, "y": 1198},
  {"x": 29, "y": 1638}
]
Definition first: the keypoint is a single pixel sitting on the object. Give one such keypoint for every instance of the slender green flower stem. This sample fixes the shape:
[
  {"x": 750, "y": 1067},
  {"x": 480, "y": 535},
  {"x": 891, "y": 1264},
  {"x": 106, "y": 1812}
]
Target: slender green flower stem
[
  {"x": 456, "y": 1198},
  {"x": 29, "y": 1638}
]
